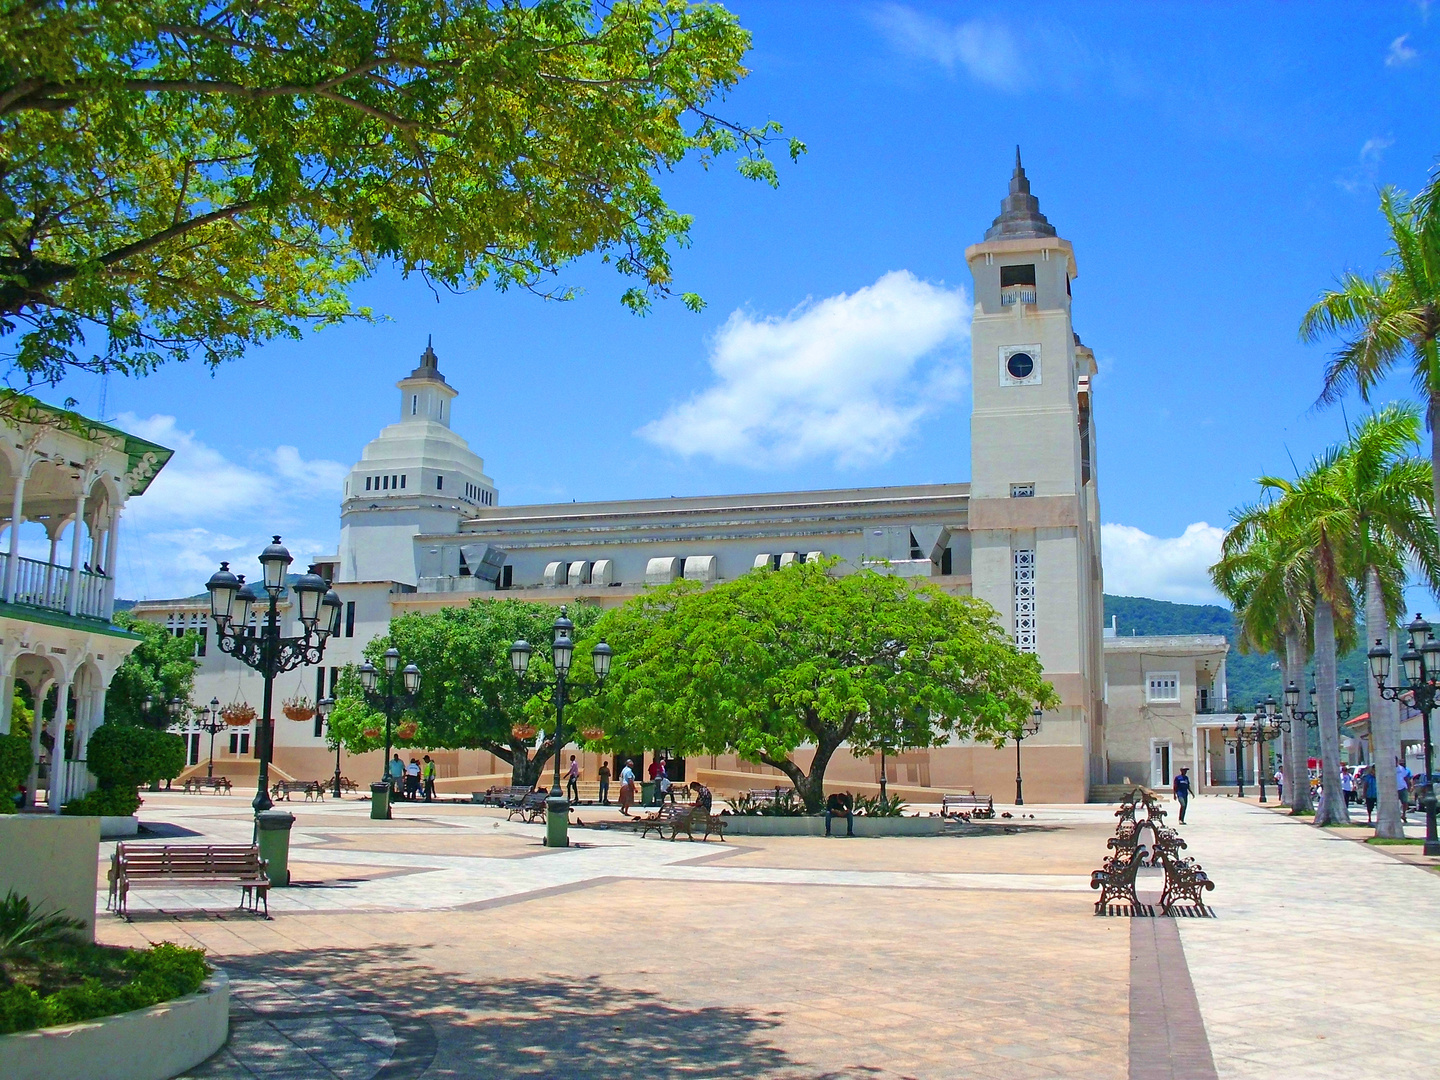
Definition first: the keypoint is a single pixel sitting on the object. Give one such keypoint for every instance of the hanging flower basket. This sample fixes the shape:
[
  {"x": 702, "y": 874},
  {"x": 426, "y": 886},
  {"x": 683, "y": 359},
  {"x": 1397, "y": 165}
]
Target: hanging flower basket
[
  {"x": 407, "y": 730},
  {"x": 238, "y": 714},
  {"x": 592, "y": 734},
  {"x": 524, "y": 732},
  {"x": 299, "y": 708},
  {"x": 371, "y": 733}
]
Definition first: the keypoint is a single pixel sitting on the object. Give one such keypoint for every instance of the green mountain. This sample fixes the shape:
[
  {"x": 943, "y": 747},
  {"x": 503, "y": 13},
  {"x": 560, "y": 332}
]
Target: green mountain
[{"x": 1249, "y": 676}]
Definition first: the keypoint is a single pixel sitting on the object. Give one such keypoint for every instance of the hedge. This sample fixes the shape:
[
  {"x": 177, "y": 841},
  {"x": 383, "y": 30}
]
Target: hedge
[{"x": 14, "y": 768}]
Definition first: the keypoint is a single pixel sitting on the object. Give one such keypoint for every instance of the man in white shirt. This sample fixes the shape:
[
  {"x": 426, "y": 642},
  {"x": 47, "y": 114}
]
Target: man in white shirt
[{"x": 1402, "y": 789}]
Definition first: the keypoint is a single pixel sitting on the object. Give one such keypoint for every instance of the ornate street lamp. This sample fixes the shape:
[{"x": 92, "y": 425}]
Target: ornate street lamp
[
  {"x": 388, "y": 700},
  {"x": 209, "y": 720},
  {"x": 323, "y": 708},
  {"x": 1421, "y": 663},
  {"x": 562, "y": 692},
  {"x": 262, "y": 648},
  {"x": 1020, "y": 734},
  {"x": 1265, "y": 726}
]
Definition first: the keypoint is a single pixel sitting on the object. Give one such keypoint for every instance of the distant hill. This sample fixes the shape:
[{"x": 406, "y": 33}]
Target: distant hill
[{"x": 1249, "y": 676}]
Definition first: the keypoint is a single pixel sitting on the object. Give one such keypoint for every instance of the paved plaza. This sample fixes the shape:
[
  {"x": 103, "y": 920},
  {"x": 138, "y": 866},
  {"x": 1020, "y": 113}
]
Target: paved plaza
[{"x": 450, "y": 943}]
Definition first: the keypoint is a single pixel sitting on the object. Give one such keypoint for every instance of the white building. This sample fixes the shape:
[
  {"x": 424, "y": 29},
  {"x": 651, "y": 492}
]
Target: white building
[
  {"x": 65, "y": 481},
  {"x": 422, "y": 527}
]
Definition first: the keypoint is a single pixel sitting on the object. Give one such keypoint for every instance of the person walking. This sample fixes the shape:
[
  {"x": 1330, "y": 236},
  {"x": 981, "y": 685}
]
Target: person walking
[
  {"x": 1402, "y": 790},
  {"x": 1347, "y": 784},
  {"x": 397, "y": 778},
  {"x": 1370, "y": 790},
  {"x": 427, "y": 775},
  {"x": 657, "y": 766},
  {"x": 1181, "y": 788},
  {"x": 604, "y": 775},
  {"x": 627, "y": 788},
  {"x": 572, "y": 781},
  {"x": 412, "y": 780},
  {"x": 1280, "y": 782}
]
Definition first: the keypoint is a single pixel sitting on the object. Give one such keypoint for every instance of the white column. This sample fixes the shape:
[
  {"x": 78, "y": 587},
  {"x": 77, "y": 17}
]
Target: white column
[
  {"x": 56, "y": 793},
  {"x": 36, "y": 724},
  {"x": 73, "y": 606},
  {"x": 17, "y": 505},
  {"x": 50, "y": 570},
  {"x": 94, "y": 717},
  {"x": 111, "y": 547},
  {"x": 7, "y": 696}
]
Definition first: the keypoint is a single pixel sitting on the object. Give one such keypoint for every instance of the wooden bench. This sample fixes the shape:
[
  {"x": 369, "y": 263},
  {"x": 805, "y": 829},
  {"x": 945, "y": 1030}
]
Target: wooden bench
[
  {"x": 1116, "y": 879},
  {"x": 204, "y": 783},
  {"x": 531, "y": 807},
  {"x": 142, "y": 866},
  {"x": 312, "y": 789},
  {"x": 975, "y": 806}
]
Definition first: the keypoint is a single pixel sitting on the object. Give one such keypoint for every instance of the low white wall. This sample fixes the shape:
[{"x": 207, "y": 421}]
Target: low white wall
[
  {"x": 53, "y": 860},
  {"x": 148, "y": 1044},
  {"x": 112, "y": 828},
  {"x": 747, "y": 825}
]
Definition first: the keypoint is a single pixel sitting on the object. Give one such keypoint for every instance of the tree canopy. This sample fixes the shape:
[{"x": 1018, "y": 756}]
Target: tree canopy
[
  {"x": 469, "y": 697},
  {"x": 776, "y": 660},
  {"x": 162, "y": 666},
  {"x": 191, "y": 177}
]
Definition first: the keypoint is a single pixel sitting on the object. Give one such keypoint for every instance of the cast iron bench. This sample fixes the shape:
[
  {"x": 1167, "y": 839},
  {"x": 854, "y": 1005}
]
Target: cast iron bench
[
  {"x": 531, "y": 807},
  {"x": 202, "y": 783},
  {"x": 312, "y": 789},
  {"x": 505, "y": 796},
  {"x": 1116, "y": 879},
  {"x": 1184, "y": 880},
  {"x": 346, "y": 784},
  {"x": 980, "y": 806},
  {"x": 682, "y": 818},
  {"x": 136, "y": 866}
]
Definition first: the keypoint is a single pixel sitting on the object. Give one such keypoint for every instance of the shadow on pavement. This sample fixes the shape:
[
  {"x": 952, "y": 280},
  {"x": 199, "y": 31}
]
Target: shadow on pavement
[{"x": 444, "y": 1025}]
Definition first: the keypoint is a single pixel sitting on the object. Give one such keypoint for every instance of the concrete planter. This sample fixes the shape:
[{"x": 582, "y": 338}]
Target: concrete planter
[
  {"x": 51, "y": 859},
  {"x": 157, "y": 1043},
  {"x": 738, "y": 825},
  {"x": 114, "y": 827}
]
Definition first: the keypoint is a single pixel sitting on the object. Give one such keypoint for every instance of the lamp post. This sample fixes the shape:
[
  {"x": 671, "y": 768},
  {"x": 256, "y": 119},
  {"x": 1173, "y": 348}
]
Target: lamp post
[
  {"x": 562, "y": 692},
  {"x": 1265, "y": 726},
  {"x": 322, "y": 710},
  {"x": 212, "y": 723},
  {"x": 388, "y": 700},
  {"x": 262, "y": 648},
  {"x": 1020, "y": 734},
  {"x": 1311, "y": 716},
  {"x": 174, "y": 708},
  {"x": 1421, "y": 664},
  {"x": 1239, "y": 743}
]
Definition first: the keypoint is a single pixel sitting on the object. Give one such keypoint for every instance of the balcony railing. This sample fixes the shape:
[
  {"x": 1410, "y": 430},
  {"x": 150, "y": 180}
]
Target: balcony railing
[
  {"x": 1017, "y": 294},
  {"x": 46, "y": 585},
  {"x": 1207, "y": 703}
]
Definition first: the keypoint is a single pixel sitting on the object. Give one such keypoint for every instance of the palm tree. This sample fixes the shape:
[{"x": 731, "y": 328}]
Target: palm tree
[
  {"x": 1391, "y": 317},
  {"x": 1269, "y": 583},
  {"x": 1389, "y": 496}
]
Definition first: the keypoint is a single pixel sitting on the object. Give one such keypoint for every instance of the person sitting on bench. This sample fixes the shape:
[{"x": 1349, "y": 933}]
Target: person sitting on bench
[
  {"x": 840, "y": 803},
  {"x": 703, "y": 798}
]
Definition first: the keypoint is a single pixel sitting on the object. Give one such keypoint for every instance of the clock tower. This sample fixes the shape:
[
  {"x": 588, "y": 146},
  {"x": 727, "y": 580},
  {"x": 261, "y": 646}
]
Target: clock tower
[{"x": 1034, "y": 515}]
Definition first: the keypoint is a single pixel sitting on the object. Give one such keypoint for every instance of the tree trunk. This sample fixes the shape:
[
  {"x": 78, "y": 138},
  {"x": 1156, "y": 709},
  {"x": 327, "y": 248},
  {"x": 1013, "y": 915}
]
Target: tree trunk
[
  {"x": 1433, "y": 419},
  {"x": 1384, "y": 719},
  {"x": 811, "y": 788},
  {"x": 1332, "y": 809},
  {"x": 1297, "y": 749},
  {"x": 524, "y": 770}
]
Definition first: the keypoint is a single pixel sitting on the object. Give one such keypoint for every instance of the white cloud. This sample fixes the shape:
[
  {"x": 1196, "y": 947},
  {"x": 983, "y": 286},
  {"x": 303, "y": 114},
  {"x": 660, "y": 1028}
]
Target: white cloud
[
  {"x": 985, "y": 49},
  {"x": 204, "y": 507},
  {"x": 1400, "y": 53},
  {"x": 849, "y": 377},
  {"x": 1362, "y": 176},
  {"x": 1173, "y": 568}
]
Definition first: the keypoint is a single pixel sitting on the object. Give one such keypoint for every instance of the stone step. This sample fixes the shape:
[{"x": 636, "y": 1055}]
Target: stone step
[{"x": 1110, "y": 793}]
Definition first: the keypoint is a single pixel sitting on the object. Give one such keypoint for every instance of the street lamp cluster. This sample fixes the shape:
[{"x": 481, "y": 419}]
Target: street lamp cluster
[
  {"x": 562, "y": 692},
  {"x": 1264, "y": 726},
  {"x": 388, "y": 701},
  {"x": 1421, "y": 665},
  {"x": 262, "y": 647}
]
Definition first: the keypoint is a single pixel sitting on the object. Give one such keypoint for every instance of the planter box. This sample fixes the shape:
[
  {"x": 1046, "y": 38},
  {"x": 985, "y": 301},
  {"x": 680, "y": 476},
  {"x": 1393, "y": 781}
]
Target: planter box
[
  {"x": 113, "y": 828},
  {"x": 157, "y": 1043},
  {"x": 745, "y": 825},
  {"x": 51, "y": 859}
]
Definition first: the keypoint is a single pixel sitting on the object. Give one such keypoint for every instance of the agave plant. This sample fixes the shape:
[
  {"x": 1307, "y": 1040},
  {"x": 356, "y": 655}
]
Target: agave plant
[{"x": 26, "y": 931}]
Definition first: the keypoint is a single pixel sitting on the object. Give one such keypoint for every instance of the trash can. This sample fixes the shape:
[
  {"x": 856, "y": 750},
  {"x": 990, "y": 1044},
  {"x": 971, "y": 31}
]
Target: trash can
[
  {"x": 274, "y": 836},
  {"x": 380, "y": 801},
  {"x": 647, "y": 793}
]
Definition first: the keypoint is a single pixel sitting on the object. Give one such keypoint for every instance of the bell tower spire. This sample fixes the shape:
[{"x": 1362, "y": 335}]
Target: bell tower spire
[{"x": 424, "y": 393}]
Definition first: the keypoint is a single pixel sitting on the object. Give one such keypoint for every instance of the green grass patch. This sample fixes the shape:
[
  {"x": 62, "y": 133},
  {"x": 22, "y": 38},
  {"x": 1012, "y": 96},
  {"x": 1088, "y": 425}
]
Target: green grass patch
[{"x": 1389, "y": 842}]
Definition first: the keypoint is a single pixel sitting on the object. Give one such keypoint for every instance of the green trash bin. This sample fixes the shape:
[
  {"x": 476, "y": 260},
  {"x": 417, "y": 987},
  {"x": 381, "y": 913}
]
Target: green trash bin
[
  {"x": 273, "y": 830},
  {"x": 380, "y": 801},
  {"x": 647, "y": 793}
]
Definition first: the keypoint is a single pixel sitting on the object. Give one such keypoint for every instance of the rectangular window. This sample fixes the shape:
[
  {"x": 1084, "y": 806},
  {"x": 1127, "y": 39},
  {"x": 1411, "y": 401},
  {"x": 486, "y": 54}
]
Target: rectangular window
[
  {"x": 367, "y": 483},
  {"x": 439, "y": 483},
  {"x": 385, "y": 483},
  {"x": 194, "y": 749},
  {"x": 334, "y": 679},
  {"x": 507, "y": 576},
  {"x": 350, "y": 618},
  {"x": 1017, "y": 275},
  {"x": 947, "y": 562},
  {"x": 1162, "y": 686},
  {"x": 414, "y": 403},
  {"x": 1022, "y": 491},
  {"x": 394, "y": 482},
  {"x": 204, "y": 638},
  {"x": 1025, "y": 600},
  {"x": 402, "y": 480},
  {"x": 240, "y": 744}
]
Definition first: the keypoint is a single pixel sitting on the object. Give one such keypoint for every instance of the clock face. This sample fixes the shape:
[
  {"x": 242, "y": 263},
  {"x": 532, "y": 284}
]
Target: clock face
[{"x": 1020, "y": 365}]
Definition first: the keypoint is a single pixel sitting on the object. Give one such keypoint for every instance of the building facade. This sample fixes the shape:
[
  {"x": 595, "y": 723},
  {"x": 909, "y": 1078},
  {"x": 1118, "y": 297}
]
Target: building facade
[
  {"x": 65, "y": 481},
  {"x": 423, "y": 527}
]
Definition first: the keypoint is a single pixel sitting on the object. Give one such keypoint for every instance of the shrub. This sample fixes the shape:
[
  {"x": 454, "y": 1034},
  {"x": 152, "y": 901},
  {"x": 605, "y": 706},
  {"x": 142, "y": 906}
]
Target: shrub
[
  {"x": 122, "y": 758},
  {"x": 878, "y": 806},
  {"x": 105, "y": 802},
  {"x": 786, "y": 804},
  {"x": 14, "y": 768}
]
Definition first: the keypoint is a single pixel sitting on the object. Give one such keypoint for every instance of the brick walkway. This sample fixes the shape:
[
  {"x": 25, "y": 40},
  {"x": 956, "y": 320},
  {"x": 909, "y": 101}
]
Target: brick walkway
[{"x": 448, "y": 943}]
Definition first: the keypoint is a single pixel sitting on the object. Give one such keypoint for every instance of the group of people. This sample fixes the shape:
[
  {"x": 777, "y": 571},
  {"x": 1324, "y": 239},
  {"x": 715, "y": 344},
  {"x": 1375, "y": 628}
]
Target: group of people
[
  {"x": 663, "y": 785},
  {"x": 412, "y": 781},
  {"x": 1363, "y": 784}
]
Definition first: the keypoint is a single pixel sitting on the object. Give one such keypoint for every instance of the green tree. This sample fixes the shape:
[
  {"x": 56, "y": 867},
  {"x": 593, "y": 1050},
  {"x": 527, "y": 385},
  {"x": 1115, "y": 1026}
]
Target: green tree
[
  {"x": 1393, "y": 317},
  {"x": 162, "y": 667},
  {"x": 469, "y": 697},
  {"x": 773, "y": 661},
  {"x": 193, "y": 178},
  {"x": 15, "y": 761}
]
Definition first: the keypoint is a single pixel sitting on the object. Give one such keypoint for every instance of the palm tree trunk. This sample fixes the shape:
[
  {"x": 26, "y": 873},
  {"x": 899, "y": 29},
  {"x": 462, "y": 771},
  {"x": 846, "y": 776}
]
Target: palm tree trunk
[
  {"x": 1297, "y": 750},
  {"x": 1384, "y": 719},
  {"x": 1433, "y": 419},
  {"x": 1332, "y": 810}
]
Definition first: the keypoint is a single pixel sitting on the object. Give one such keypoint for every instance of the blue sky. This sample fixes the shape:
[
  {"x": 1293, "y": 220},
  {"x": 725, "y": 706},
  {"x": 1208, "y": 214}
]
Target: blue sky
[{"x": 1215, "y": 167}]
